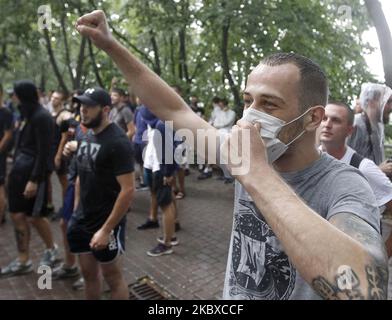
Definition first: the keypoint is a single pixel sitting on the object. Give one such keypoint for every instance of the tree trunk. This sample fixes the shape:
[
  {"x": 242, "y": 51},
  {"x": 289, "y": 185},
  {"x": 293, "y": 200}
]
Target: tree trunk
[
  {"x": 95, "y": 67},
  {"x": 42, "y": 82},
  {"x": 54, "y": 63},
  {"x": 184, "y": 73},
  {"x": 66, "y": 47},
  {"x": 172, "y": 59},
  {"x": 384, "y": 36},
  {"x": 157, "y": 64},
  {"x": 226, "y": 65},
  {"x": 79, "y": 66}
]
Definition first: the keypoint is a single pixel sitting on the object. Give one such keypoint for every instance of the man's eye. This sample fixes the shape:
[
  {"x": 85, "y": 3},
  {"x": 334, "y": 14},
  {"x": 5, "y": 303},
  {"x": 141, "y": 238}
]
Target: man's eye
[{"x": 270, "y": 105}]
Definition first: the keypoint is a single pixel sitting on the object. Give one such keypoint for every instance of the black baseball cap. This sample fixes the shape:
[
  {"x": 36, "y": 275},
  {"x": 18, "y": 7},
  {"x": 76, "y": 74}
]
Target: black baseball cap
[{"x": 94, "y": 96}]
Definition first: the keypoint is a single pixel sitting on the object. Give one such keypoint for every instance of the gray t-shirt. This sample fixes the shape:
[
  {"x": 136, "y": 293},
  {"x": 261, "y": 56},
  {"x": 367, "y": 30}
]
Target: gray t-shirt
[
  {"x": 257, "y": 266},
  {"x": 121, "y": 116},
  {"x": 369, "y": 146}
]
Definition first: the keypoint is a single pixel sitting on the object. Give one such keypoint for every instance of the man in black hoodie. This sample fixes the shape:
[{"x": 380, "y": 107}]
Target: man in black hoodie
[{"x": 27, "y": 186}]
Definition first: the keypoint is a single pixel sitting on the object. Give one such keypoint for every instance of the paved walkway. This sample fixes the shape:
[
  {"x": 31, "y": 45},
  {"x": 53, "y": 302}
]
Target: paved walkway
[{"x": 195, "y": 270}]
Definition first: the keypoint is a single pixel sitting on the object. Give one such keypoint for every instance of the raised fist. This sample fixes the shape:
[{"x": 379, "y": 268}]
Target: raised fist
[{"x": 94, "y": 26}]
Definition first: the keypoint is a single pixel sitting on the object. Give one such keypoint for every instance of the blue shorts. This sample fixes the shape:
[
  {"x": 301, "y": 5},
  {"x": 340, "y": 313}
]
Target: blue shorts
[
  {"x": 79, "y": 242},
  {"x": 68, "y": 204}
]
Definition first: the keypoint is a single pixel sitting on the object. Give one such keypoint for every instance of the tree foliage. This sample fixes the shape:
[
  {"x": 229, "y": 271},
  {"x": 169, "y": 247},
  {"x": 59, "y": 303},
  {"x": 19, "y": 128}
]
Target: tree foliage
[{"x": 208, "y": 47}]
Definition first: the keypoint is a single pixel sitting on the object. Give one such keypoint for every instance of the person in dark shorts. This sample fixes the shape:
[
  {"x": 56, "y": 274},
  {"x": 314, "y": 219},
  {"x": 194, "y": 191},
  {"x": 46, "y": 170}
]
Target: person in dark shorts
[
  {"x": 58, "y": 163},
  {"x": 159, "y": 170},
  {"x": 104, "y": 189},
  {"x": 6, "y": 127},
  {"x": 75, "y": 132},
  {"x": 27, "y": 183}
]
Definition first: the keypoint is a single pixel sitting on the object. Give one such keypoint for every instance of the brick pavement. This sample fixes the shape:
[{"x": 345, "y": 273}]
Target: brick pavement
[{"x": 196, "y": 269}]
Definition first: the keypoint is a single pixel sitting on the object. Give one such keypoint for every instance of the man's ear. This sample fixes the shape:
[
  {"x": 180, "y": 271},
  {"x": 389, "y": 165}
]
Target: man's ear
[
  {"x": 314, "y": 117},
  {"x": 350, "y": 130}
]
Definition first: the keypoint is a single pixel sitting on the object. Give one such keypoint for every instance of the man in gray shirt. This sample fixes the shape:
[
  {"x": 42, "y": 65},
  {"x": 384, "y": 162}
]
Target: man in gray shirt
[
  {"x": 298, "y": 232},
  {"x": 121, "y": 114},
  {"x": 368, "y": 137}
]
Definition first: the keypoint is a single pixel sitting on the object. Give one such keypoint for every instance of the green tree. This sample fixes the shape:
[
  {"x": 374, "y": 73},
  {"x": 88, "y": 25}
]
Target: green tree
[{"x": 208, "y": 47}]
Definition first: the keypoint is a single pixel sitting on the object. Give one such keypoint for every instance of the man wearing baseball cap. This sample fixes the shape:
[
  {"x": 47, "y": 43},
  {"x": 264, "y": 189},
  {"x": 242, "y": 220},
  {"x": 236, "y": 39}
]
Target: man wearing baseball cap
[{"x": 104, "y": 189}]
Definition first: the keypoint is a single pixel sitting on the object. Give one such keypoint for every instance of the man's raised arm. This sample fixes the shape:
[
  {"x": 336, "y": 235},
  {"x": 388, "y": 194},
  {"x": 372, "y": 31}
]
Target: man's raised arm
[{"x": 149, "y": 87}]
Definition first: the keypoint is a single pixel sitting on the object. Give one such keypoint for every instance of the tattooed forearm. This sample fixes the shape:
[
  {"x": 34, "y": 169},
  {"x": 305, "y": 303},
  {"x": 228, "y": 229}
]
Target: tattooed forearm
[
  {"x": 347, "y": 285},
  {"x": 373, "y": 280},
  {"x": 377, "y": 278}
]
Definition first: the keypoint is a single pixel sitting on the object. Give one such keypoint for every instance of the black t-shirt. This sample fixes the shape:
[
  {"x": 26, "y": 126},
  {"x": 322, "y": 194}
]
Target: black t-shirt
[
  {"x": 6, "y": 122},
  {"x": 100, "y": 159}
]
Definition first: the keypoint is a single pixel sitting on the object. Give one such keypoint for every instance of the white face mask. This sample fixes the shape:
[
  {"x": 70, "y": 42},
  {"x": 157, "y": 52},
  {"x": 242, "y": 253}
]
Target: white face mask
[{"x": 270, "y": 128}]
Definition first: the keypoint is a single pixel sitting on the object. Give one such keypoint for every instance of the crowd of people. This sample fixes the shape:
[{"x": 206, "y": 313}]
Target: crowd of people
[
  {"x": 309, "y": 213},
  {"x": 90, "y": 141}
]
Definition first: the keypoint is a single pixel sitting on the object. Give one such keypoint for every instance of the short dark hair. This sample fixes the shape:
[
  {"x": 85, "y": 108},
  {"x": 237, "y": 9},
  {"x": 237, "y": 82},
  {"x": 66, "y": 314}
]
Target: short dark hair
[
  {"x": 350, "y": 112},
  {"x": 216, "y": 99},
  {"x": 224, "y": 101},
  {"x": 313, "y": 85},
  {"x": 120, "y": 91},
  {"x": 63, "y": 94}
]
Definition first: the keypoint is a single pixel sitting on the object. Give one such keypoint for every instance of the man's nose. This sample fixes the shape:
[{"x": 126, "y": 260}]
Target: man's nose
[{"x": 327, "y": 123}]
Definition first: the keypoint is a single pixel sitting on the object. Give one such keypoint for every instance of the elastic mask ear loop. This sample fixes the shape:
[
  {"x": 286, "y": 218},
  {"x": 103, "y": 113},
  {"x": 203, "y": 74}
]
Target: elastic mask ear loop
[{"x": 295, "y": 119}]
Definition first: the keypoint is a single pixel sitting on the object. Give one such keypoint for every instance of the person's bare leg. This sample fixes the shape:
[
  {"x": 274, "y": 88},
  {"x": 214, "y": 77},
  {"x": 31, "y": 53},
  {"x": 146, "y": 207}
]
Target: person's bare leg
[
  {"x": 114, "y": 278},
  {"x": 181, "y": 180},
  {"x": 44, "y": 230},
  {"x": 175, "y": 209},
  {"x": 69, "y": 258},
  {"x": 50, "y": 191},
  {"x": 174, "y": 185},
  {"x": 2, "y": 202},
  {"x": 92, "y": 280},
  {"x": 168, "y": 223},
  {"x": 154, "y": 207},
  {"x": 22, "y": 235},
  {"x": 63, "y": 183}
]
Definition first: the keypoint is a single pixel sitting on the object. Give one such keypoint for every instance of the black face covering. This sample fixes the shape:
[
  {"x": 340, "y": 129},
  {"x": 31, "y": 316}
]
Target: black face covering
[
  {"x": 96, "y": 122},
  {"x": 27, "y": 94}
]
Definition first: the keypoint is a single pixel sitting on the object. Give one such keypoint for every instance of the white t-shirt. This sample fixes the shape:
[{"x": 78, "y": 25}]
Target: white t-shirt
[
  {"x": 224, "y": 120},
  {"x": 378, "y": 181},
  {"x": 151, "y": 160}
]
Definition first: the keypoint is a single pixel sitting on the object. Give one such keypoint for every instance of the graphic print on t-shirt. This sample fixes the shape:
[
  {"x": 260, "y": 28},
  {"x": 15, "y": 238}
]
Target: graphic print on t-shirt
[
  {"x": 260, "y": 269},
  {"x": 87, "y": 154}
]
